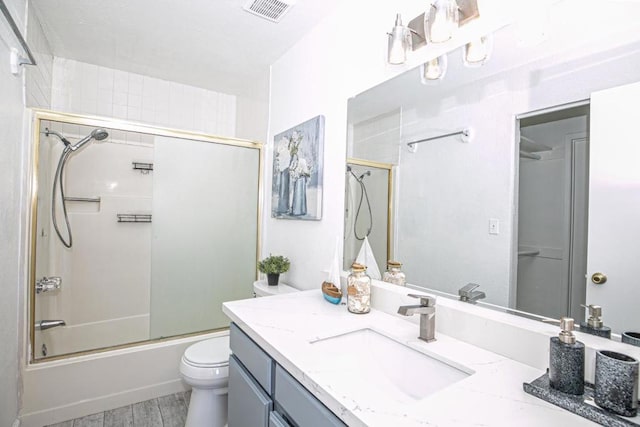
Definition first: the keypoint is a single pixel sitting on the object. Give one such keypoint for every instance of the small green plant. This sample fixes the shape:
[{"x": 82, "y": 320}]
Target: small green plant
[{"x": 274, "y": 264}]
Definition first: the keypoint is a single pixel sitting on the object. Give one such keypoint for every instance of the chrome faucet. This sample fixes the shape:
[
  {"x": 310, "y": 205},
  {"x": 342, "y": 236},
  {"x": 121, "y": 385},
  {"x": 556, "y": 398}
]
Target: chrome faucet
[
  {"x": 427, "y": 311},
  {"x": 48, "y": 324},
  {"x": 467, "y": 293}
]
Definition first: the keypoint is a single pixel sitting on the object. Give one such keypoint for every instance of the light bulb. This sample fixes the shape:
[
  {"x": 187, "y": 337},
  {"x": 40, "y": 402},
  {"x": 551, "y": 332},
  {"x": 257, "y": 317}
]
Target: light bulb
[
  {"x": 399, "y": 43},
  {"x": 433, "y": 70},
  {"x": 441, "y": 21},
  {"x": 477, "y": 52}
]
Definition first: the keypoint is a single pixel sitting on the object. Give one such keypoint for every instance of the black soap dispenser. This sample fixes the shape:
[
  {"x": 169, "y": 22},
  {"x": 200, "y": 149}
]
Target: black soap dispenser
[
  {"x": 594, "y": 325},
  {"x": 566, "y": 360}
]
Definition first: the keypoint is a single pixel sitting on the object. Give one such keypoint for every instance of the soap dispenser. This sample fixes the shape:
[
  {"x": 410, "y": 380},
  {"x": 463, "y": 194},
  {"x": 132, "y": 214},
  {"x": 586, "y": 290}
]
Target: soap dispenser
[
  {"x": 594, "y": 325},
  {"x": 566, "y": 360}
]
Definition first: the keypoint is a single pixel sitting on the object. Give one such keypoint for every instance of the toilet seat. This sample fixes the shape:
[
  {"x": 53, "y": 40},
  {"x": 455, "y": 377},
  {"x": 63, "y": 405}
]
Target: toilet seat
[
  {"x": 211, "y": 353},
  {"x": 206, "y": 363}
]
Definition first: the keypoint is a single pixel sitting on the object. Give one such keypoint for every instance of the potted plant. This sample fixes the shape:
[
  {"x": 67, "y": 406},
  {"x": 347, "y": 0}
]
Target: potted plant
[{"x": 272, "y": 266}]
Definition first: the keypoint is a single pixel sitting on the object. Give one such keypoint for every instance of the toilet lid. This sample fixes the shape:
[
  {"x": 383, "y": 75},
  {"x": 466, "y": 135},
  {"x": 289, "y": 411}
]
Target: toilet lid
[{"x": 208, "y": 353}]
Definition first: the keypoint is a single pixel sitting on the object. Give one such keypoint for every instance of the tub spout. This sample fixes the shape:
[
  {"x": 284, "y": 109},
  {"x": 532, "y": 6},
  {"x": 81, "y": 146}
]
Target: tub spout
[{"x": 48, "y": 324}]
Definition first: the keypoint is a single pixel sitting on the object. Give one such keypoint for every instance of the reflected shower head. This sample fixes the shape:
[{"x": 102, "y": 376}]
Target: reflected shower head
[{"x": 367, "y": 173}]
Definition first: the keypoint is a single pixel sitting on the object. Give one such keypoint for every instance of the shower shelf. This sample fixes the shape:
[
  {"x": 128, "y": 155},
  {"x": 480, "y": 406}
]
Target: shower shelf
[
  {"x": 83, "y": 199},
  {"x": 144, "y": 168},
  {"x": 134, "y": 217}
]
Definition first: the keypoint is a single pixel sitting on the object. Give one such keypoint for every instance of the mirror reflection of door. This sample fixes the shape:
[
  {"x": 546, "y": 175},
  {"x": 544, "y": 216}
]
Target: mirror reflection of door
[{"x": 552, "y": 212}]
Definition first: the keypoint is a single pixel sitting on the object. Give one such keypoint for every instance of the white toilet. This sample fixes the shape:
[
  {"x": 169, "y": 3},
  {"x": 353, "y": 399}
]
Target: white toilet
[{"x": 205, "y": 367}]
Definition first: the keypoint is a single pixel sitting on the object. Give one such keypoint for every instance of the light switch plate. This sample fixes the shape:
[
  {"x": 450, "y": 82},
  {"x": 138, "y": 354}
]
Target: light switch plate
[{"x": 494, "y": 226}]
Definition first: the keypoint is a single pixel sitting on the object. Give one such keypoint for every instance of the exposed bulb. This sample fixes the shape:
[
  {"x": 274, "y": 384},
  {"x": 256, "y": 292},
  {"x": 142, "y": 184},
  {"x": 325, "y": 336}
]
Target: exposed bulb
[
  {"x": 433, "y": 70},
  {"x": 441, "y": 21},
  {"x": 399, "y": 43},
  {"x": 477, "y": 52}
]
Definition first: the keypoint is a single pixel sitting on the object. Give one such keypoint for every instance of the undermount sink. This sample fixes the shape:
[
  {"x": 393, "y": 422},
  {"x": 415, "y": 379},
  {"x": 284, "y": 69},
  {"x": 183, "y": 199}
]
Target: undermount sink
[{"x": 385, "y": 364}]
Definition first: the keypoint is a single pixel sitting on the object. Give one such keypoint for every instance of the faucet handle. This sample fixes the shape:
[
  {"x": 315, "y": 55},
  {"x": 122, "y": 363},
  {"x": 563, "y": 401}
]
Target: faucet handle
[
  {"x": 466, "y": 290},
  {"x": 425, "y": 300}
]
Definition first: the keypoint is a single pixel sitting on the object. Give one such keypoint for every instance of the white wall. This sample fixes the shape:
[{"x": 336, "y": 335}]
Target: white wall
[
  {"x": 38, "y": 79},
  {"x": 12, "y": 214}
]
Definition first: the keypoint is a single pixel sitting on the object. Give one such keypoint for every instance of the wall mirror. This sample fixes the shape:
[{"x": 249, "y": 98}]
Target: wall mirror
[
  {"x": 150, "y": 239},
  {"x": 527, "y": 207}
]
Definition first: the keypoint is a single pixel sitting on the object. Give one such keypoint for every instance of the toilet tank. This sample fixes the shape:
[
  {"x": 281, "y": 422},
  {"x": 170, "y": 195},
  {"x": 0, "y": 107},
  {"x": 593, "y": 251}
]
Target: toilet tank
[{"x": 262, "y": 289}]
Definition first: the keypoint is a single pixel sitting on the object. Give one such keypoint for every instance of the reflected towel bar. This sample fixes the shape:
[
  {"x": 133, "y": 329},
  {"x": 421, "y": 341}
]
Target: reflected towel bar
[
  {"x": 16, "y": 32},
  {"x": 466, "y": 133}
]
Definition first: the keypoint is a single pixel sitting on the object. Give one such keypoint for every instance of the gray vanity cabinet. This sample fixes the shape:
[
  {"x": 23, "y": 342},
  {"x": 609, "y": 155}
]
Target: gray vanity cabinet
[
  {"x": 249, "y": 405},
  {"x": 263, "y": 394}
]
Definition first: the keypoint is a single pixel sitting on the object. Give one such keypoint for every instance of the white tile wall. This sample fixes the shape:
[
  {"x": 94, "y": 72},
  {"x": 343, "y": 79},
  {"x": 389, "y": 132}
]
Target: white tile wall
[
  {"x": 38, "y": 78},
  {"x": 84, "y": 88}
]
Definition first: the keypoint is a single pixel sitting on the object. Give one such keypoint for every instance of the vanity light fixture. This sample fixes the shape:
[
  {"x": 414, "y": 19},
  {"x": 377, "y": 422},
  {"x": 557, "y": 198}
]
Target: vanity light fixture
[
  {"x": 399, "y": 43},
  {"x": 441, "y": 21},
  {"x": 477, "y": 52},
  {"x": 434, "y": 70}
]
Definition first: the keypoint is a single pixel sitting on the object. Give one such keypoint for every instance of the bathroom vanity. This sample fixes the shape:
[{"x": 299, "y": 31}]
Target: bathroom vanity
[{"x": 297, "y": 355}]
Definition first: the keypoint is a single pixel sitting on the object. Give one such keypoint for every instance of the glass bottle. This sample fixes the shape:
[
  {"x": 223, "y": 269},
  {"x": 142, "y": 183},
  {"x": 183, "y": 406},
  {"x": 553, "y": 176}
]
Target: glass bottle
[
  {"x": 393, "y": 274},
  {"x": 358, "y": 290}
]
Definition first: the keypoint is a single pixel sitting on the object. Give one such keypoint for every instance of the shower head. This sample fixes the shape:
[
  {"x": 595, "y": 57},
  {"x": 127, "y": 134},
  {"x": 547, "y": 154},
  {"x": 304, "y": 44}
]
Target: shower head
[
  {"x": 97, "y": 134},
  {"x": 367, "y": 173}
]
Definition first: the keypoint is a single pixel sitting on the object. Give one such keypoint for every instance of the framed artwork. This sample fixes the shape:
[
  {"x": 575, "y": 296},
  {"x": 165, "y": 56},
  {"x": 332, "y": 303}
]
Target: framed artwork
[{"x": 296, "y": 191}]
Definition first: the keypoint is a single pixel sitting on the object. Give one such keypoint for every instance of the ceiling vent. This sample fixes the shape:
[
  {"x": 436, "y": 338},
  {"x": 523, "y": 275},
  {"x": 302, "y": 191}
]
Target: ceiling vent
[{"x": 273, "y": 10}]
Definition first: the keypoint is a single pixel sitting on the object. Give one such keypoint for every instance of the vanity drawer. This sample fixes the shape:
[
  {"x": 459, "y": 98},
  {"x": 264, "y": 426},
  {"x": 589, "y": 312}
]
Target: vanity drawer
[
  {"x": 300, "y": 406},
  {"x": 257, "y": 362}
]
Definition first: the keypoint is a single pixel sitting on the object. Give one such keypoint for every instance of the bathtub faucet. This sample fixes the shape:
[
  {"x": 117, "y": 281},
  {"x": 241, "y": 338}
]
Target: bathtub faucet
[{"x": 48, "y": 324}]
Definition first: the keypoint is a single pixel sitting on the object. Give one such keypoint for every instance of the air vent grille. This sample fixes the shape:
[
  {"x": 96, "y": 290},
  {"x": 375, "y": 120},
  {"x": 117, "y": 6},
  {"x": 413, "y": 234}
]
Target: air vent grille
[{"x": 273, "y": 10}]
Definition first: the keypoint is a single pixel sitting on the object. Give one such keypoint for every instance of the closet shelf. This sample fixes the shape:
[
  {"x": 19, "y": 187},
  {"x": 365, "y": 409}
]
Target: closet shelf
[
  {"x": 528, "y": 155},
  {"x": 528, "y": 145}
]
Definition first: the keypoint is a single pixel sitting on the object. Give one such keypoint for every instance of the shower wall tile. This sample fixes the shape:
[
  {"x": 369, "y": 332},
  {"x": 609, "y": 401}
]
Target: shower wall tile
[
  {"x": 38, "y": 78},
  {"x": 83, "y": 88}
]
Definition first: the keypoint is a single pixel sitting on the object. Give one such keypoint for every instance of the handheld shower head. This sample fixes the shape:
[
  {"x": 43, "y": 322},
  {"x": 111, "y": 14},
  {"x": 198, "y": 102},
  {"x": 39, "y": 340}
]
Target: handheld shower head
[
  {"x": 367, "y": 173},
  {"x": 97, "y": 134}
]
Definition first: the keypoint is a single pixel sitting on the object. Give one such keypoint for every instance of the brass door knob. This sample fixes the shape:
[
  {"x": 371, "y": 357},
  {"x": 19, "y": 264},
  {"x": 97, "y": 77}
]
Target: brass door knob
[{"x": 598, "y": 278}]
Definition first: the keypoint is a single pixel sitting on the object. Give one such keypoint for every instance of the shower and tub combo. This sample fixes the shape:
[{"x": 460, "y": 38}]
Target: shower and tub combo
[{"x": 129, "y": 263}]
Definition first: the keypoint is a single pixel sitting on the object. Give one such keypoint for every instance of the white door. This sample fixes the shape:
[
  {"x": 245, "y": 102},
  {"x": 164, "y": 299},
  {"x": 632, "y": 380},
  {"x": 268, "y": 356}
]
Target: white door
[{"x": 614, "y": 206}]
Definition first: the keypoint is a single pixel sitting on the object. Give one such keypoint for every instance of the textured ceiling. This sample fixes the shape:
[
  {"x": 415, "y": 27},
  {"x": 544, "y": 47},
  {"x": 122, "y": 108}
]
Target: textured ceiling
[{"x": 212, "y": 44}]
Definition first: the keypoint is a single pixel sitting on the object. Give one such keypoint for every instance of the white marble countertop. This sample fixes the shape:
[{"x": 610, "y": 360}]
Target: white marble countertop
[{"x": 285, "y": 326}]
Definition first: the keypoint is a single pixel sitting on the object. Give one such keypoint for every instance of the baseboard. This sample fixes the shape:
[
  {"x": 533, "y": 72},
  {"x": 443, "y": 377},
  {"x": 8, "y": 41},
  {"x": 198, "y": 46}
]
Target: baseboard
[{"x": 102, "y": 403}]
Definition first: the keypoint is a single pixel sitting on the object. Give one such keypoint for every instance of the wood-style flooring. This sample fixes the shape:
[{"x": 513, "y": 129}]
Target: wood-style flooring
[{"x": 166, "y": 411}]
